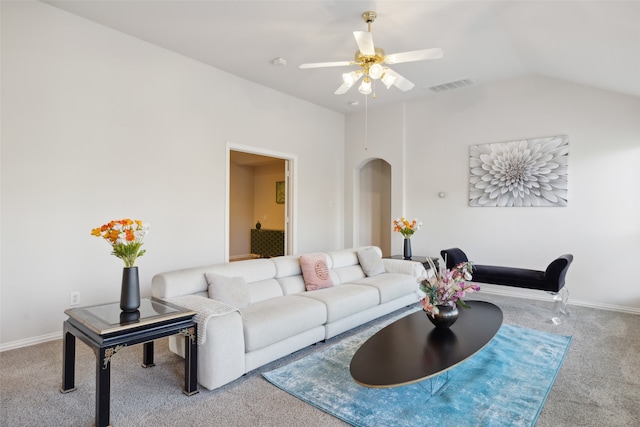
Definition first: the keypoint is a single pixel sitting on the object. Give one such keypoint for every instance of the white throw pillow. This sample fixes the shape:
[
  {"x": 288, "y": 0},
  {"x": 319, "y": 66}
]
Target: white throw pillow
[
  {"x": 370, "y": 262},
  {"x": 229, "y": 290}
]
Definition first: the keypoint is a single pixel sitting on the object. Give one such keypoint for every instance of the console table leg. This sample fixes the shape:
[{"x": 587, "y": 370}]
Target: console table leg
[
  {"x": 68, "y": 361},
  {"x": 147, "y": 355},
  {"x": 103, "y": 386},
  {"x": 191, "y": 362}
]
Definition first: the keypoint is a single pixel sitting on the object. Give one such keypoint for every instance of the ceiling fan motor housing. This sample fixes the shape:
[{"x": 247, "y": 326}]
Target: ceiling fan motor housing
[{"x": 378, "y": 58}]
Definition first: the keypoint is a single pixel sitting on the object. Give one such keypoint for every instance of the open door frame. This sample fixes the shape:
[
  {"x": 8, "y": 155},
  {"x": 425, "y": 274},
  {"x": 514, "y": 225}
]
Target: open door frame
[{"x": 291, "y": 173}]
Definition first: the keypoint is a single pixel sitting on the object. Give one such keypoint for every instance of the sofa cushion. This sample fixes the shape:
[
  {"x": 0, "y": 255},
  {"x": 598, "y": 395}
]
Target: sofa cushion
[
  {"x": 391, "y": 285},
  {"x": 349, "y": 273},
  {"x": 370, "y": 261},
  {"x": 518, "y": 277},
  {"x": 286, "y": 266},
  {"x": 230, "y": 290},
  {"x": 274, "y": 320},
  {"x": 289, "y": 274},
  {"x": 344, "y": 257},
  {"x": 292, "y": 284},
  {"x": 345, "y": 300},
  {"x": 251, "y": 270},
  {"x": 315, "y": 271}
]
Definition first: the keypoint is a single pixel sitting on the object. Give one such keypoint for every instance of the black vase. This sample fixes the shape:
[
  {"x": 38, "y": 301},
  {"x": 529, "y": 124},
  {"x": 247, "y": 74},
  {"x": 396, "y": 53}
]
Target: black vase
[
  {"x": 130, "y": 292},
  {"x": 407, "y": 249},
  {"x": 128, "y": 317},
  {"x": 446, "y": 317}
]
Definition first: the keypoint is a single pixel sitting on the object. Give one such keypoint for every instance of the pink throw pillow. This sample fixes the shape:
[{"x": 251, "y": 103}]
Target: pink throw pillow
[{"x": 315, "y": 272}]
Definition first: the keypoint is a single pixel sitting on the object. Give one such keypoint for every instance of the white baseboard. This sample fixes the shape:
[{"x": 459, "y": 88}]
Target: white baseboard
[
  {"x": 543, "y": 296},
  {"x": 30, "y": 341}
]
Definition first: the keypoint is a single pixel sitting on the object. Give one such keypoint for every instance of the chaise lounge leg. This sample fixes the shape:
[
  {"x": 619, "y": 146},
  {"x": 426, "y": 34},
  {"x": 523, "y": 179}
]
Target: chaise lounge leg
[
  {"x": 564, "y": 293},
  {"x": 559, "y": 305}
]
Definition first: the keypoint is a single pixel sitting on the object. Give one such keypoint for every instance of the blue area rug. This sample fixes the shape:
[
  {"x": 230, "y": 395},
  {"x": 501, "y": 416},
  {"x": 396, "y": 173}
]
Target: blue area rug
[{"x": 505, "y": 384}]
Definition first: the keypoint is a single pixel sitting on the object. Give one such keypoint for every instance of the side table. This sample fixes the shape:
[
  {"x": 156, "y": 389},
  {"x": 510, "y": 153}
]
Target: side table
[
  {"x": 106, "y": 330},
  {"x": 420, "y": 259}
]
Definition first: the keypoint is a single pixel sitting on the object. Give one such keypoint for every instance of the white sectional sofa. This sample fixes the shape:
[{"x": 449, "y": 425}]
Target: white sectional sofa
[{"x": 268, "y": 313}]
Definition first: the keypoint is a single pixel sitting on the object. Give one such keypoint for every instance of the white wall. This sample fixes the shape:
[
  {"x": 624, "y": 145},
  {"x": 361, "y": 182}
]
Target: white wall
[
  {"x": 600, "y": 226},
  {"x": 97, "y": 125}
]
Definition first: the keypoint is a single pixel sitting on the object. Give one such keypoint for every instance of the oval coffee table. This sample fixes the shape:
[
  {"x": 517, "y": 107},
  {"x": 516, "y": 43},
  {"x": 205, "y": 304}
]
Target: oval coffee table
[{"x": 411, "y": 349}]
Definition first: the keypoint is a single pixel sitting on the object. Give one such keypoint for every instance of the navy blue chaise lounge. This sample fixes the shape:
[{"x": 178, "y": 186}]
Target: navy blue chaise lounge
[{"x": 551, "y": 280}]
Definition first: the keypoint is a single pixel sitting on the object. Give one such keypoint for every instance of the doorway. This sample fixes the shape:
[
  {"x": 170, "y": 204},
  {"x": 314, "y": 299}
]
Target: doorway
[{"x": 260, "y": 203}]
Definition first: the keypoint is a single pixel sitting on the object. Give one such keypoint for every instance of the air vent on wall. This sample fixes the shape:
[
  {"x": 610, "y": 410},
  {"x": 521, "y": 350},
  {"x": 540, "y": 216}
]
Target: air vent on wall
[{"x": 451, "y": 85}]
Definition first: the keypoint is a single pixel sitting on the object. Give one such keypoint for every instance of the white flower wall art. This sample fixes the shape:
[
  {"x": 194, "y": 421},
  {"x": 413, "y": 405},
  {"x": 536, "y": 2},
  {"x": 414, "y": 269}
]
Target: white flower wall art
[{"x": 529, "y": 172}]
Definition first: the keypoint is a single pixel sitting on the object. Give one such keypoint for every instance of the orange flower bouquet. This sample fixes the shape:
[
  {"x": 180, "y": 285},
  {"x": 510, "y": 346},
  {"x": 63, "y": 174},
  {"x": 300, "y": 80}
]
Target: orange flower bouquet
[
  {"x": 406, "y": 227},
  {"x": 125, "y": 237}
]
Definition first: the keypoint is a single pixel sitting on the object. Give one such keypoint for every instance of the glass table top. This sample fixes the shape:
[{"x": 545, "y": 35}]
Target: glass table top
[{"x": 108, "y": 318}]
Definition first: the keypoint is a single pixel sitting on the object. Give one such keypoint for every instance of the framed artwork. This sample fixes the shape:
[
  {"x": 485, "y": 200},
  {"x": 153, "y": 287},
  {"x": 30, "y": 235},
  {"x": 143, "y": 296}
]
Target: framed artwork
[
  {"x": 528, "y": 172},
  {"x": 280, "y": 192}
]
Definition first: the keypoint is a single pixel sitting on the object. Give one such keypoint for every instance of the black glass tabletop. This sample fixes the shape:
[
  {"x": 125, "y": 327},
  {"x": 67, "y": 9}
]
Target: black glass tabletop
[
  {"x": 412, "y": 349},
  {"x": 109, "y": 318}
]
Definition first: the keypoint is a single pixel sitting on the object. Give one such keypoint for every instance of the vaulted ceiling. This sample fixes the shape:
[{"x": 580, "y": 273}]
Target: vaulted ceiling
[{"x": 595, "y": 43}]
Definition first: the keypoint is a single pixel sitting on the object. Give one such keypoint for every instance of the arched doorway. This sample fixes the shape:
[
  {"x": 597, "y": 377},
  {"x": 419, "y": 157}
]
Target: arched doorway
[{"x": 374, "y": 217}]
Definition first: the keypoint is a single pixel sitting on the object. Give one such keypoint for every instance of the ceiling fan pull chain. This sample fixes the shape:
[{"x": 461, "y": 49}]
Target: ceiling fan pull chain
[{"x": 366, "y": 123}]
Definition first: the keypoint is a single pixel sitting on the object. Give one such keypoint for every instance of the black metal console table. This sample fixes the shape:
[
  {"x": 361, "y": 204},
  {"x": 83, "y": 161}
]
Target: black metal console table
[{"x": 106, "y": 330}]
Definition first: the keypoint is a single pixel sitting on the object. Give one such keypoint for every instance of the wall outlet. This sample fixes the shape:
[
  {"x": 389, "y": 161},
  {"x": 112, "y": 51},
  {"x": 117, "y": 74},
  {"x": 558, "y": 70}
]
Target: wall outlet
[{"x": 75, "y": 298}]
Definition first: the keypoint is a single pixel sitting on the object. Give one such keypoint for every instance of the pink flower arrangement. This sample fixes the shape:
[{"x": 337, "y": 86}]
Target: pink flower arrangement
[{"x": 447, "y": 287}]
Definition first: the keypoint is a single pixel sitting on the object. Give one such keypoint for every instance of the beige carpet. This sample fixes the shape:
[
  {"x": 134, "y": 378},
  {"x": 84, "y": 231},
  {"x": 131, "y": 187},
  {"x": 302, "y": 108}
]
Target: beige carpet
[{"x": 598, "y": 384}]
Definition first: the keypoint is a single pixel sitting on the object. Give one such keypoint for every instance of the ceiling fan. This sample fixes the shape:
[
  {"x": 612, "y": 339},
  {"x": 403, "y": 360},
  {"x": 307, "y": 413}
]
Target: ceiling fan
[{"x": 370, "y": 59}]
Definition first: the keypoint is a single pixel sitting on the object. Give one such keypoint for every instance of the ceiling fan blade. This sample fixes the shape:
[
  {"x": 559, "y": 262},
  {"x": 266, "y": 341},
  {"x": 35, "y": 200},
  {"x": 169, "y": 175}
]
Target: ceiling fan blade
[
  {"x": 349, "y": 79},
  {"x": 399, "y": 81},
  {"x": 415, "y": 55},
  {"x": 365, "y": 42},
  {"x": 325, "y": 64},
  {"x": 344, "y": 88}
]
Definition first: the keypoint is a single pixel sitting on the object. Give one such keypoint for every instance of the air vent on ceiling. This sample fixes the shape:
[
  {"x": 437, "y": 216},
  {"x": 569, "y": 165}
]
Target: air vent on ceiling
[{"x": 451, "y": 85}]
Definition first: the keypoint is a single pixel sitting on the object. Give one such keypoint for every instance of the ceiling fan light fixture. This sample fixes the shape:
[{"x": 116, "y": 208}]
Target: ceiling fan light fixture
[
  {"x": 375, "y": 71},
  {"x": 388, "y": 80},
  {"x": 371, "y": 61},
  {"x": 365, "y": 86},
  {"x": 350, "y": 78}
]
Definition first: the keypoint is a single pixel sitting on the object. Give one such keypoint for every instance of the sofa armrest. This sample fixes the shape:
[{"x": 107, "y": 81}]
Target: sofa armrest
[
  {"x": 221, "y": 351},
  {"x": 412, "y": 268}
]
